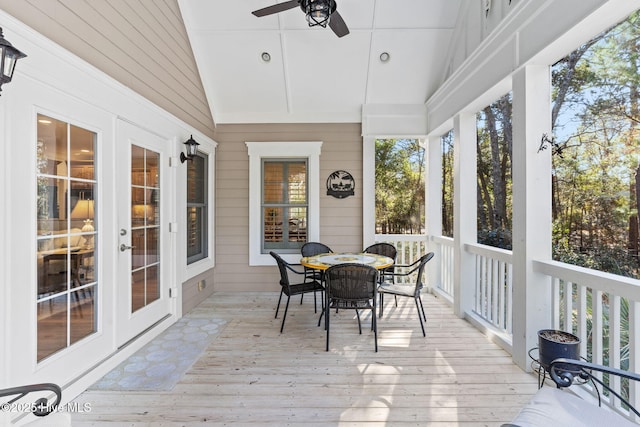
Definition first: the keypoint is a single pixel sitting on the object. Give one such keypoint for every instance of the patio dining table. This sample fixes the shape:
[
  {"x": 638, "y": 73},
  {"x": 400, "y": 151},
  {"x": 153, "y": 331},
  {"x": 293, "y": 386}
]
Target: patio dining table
[{"x": 324, "y": 261}]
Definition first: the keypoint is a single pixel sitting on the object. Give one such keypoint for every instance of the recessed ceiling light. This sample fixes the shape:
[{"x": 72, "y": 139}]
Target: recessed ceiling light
[
  {"x": 384, "y": 57},
  {"x": 266, "y": 57}
]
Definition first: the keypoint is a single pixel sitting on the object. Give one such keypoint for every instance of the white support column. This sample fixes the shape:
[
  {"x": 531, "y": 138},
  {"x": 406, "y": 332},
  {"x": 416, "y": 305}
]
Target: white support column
[
  {"x": 531, "y": 208},
  {"x": 465, "y": 193},
  {"x": 433, "y": 205},
  {"x": 368, "y": 190}
]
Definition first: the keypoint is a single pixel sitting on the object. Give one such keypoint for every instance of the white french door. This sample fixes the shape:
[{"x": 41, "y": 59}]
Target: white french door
[{"x": 143, "y": 241}]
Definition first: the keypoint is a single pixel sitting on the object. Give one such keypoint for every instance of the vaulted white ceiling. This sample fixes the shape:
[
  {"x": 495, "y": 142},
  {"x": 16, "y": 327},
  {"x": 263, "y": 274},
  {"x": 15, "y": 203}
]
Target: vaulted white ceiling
[{"x": 314, "y": 76}]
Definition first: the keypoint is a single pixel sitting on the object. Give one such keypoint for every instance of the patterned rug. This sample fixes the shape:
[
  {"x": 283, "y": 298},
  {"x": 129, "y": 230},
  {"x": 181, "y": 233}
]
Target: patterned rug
[{"x": 161, "y": 363}]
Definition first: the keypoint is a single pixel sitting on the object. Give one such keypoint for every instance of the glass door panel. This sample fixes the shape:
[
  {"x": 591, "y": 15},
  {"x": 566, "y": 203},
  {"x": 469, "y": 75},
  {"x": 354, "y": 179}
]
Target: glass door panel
[{"x": 66, "y": 235}]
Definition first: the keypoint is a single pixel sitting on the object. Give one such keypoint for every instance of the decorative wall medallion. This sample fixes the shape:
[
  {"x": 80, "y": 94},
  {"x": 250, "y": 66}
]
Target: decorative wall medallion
[{"x": 340, "y": 184}]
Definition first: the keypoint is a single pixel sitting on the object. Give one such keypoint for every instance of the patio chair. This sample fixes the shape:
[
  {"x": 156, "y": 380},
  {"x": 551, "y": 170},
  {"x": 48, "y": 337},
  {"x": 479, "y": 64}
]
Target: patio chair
[
  {"x": 411, "y": 291},
  {"x": 311, "y": 249},
  {"x": 351, "y": 287},
  {"x": 385, "y": 249},
  {"x": 289, "y": 289}
]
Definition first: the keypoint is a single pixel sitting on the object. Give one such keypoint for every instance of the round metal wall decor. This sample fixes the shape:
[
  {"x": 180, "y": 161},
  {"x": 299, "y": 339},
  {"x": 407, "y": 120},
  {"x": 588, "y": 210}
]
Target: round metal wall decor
[{"x": 340, "y": 184}]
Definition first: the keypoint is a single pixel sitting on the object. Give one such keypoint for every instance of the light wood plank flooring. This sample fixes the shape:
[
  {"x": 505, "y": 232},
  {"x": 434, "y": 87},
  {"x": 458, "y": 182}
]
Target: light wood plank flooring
[{"x": 253, "y": 375}]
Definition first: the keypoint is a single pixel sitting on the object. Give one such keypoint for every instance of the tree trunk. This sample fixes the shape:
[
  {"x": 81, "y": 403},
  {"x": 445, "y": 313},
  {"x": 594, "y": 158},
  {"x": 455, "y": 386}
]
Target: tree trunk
[{"x": 499, "y": 191}]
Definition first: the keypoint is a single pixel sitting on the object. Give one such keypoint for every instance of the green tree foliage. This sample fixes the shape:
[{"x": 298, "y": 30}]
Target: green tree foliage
[
  {"x": 447, "y": 183},
  {"x": 399, "y": 172},
  {"x": 494, "y": 142},
  {"x": 596, "y": 123}
]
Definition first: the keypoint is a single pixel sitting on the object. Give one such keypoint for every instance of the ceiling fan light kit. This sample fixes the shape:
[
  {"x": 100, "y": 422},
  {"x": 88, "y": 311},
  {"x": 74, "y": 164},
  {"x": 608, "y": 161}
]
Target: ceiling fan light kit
[{"x": 318, "y": 13}]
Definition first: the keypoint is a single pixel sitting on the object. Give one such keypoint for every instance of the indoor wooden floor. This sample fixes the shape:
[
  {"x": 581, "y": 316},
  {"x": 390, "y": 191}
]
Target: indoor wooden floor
[{"x": 253, "y": 375}]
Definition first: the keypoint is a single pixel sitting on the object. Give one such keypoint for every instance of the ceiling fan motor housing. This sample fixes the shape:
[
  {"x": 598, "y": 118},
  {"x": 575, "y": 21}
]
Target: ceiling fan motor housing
[{"x": 318, "y": 12}]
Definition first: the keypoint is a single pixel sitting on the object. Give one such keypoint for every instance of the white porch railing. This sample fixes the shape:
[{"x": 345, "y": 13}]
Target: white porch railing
[
  {"x": 493, "y": 286},
  {"x": 410, "y": 247},
  {"x": 603, "y": 310},
  {"x": 444, "y": 255}
]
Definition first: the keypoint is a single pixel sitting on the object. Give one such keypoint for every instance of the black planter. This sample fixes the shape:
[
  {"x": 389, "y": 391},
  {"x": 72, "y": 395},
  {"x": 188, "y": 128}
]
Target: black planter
[{"x": 554, "y": 344}]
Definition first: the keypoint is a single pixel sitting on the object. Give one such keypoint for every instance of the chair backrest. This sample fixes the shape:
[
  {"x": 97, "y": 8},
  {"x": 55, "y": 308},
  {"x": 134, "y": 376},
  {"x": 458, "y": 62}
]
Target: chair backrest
[
  {"x": 282, "y": 266},
  {"x": 314, "y": 248},
  {"x": 424, "y": 259},
  {"x": 385, "y": 249},
  {"x": 351, "y": 282}
]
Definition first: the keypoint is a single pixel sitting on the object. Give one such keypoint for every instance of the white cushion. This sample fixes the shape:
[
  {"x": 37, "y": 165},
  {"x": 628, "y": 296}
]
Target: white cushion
[{"x": 551, "y": 406}]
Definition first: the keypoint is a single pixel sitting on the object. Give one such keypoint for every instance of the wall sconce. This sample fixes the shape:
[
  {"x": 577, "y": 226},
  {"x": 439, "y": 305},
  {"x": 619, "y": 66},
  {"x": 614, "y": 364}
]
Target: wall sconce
[
  {"x": 10, "y": 56},
  {"x": 192, "y": 149}
]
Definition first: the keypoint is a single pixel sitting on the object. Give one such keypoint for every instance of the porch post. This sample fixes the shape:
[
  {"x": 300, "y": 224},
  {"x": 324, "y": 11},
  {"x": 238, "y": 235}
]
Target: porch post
[
  {"x": 465, "y": 192},
  {"x": 433, "y": 205},
  {"x": 531, "y": 208},
  {"x": 368, "y": 186}
]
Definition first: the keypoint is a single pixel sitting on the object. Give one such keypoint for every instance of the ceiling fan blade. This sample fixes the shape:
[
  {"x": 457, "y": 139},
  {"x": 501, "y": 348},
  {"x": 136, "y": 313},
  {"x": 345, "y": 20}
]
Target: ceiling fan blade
[
  {"x": 336, "y": 23},
  {"x": 280, "y": 7}
]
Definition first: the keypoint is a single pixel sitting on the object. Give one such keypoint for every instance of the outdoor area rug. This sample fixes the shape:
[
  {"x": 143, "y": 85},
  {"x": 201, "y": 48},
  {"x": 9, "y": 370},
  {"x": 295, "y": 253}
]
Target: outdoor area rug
[{"x": 161, "y": 363}]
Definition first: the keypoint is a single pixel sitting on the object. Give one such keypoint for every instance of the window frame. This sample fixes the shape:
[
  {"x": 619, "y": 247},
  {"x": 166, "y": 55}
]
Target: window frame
[
  {"x": 286, "y": 246},
  {"x": 207, "y": 147},
  {"x": 204, "y": 232},
  {"x": 310, "y": 150}
]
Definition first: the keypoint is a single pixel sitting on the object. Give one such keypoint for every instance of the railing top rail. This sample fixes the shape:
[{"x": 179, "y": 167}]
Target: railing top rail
[
  {"x": 625, "y": 287},
  {"x": 489, "y": 251},
  {"x": 443, "y": 240},
  {"x": 400, "y": 237}
]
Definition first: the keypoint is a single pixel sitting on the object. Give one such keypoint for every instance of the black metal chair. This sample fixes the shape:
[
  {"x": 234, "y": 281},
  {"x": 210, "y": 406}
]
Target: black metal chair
[
  {"x": 351, "y": 287},
  {"x": 385, "y": 249},
  {"x": 289, "y": 289},
  {"x": 411, "y": 291},
  {"x": 311, "y": 249}
]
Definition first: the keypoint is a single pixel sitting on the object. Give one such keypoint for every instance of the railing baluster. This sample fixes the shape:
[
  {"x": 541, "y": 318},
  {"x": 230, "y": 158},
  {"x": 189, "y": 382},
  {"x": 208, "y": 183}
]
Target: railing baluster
[
  {"x": 555, "y": 303},
  {"x": 501, "y": 297},
  {"x": 614, "y": 343},
  {"x": 483, "y": 261},
  {"x": 493, "y": 282},
  {"x": 597, "y": 325},
  {"x": 568, "y": 306},
  {"x": 478, "y": 286},
  {"x": 634, "y": 352},
  {"x": 509, "y": 320},
  {"x": 581, "y": 318}
]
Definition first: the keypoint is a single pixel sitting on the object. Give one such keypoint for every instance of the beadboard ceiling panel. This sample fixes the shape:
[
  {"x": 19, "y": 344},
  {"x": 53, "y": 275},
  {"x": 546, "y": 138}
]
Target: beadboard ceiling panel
[{"x": 141, "y": 44}]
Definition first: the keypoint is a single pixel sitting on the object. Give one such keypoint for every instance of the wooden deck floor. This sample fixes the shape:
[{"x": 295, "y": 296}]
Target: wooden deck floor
[{"x": 253, "y": 375}]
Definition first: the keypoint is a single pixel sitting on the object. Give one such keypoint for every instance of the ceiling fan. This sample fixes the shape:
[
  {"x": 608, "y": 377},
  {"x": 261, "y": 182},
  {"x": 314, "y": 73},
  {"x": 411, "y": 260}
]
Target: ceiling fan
[{"x": 318, "y": 12}]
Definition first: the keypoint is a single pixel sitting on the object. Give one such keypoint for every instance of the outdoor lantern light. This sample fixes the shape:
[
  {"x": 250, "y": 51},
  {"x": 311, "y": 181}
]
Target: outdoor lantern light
[
  {"x": 192, "y": 149},
  {"x": 10, "y": 56},
  {"x": 318, "y": 11}
]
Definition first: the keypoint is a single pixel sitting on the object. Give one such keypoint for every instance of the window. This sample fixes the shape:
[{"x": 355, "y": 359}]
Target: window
[
  {"x": 279, "y": 218},
  {"x": 284, "y": 204},
  {"x": 197, "y": 227},
  {"x": 67, "y": 232}
]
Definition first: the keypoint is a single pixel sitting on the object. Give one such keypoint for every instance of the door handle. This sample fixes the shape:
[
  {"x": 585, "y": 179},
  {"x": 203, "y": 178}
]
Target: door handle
[{"x": 124, "y": 247}]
